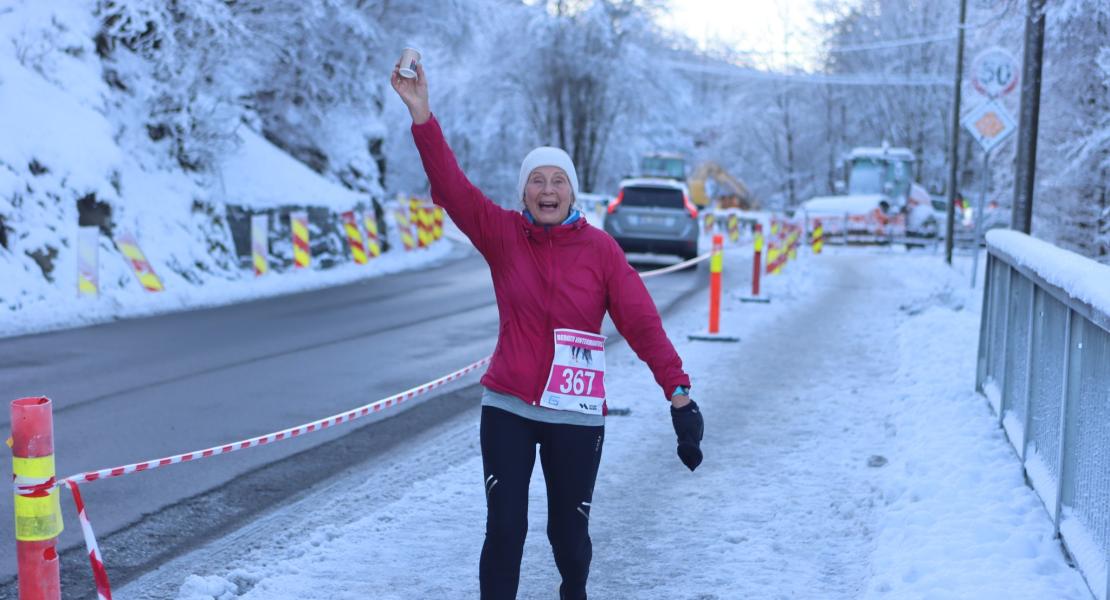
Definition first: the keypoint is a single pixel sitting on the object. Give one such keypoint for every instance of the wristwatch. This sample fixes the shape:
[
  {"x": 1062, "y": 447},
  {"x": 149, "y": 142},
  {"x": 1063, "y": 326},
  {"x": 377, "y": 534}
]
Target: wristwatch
[{"x": 680, "y": 390}]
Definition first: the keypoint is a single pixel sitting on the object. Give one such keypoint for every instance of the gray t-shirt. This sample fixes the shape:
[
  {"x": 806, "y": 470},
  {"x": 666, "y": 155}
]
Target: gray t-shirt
[{"x": 542, "y": 414}]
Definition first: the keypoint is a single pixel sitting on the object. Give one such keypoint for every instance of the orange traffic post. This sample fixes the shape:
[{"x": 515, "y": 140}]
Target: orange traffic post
[
  {"x": 38, "y": 513},
  {"x": 716, "y": 264},
  {"x": 715, "y": 285}
]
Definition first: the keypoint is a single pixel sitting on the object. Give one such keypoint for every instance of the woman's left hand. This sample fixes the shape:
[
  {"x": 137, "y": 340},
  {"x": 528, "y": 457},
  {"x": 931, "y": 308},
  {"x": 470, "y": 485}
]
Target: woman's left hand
[
  {"x": 679, "y": 400},
  {"x": 688, "y": 428}
]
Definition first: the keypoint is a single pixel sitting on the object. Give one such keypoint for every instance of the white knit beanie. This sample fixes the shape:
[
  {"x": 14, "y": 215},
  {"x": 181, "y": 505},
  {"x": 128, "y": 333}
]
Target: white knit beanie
[{"x": 546, "y": 156}]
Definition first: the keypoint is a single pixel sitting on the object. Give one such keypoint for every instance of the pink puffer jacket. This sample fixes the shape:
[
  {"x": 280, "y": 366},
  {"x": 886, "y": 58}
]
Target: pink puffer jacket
[{"x": 546, "y": 278}]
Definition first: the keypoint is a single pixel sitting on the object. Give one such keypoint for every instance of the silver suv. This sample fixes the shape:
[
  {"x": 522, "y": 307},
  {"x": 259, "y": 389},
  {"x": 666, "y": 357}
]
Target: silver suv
[{"x": 654, "y": 215}]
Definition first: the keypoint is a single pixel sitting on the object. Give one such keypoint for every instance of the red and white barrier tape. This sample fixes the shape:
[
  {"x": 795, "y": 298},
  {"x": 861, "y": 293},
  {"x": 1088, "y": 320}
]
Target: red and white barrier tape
[
  {"x": 333, "y": 420},
  {"x": 676, "y": 267},
  {"x": 100, "y": 574}
]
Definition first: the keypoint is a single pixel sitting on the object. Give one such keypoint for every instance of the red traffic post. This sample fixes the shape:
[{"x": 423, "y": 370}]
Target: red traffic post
[
  {"x": 716, "y": 264},
  {"x": 38, "y": 513},
  {"x": 757, "y": 265}
]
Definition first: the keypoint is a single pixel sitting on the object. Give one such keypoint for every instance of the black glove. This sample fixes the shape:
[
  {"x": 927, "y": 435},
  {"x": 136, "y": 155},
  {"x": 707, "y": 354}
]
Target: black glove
[{"x": 688, "y": 426}]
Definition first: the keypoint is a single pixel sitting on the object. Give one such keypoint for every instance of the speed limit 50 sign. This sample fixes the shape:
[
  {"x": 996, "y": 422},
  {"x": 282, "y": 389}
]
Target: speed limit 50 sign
[{"x": 994, "y": 73}]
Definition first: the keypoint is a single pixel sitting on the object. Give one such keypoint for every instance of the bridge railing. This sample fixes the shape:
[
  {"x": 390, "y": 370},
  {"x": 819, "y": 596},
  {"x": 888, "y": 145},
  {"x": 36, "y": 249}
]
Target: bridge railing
[{"x": 1044, "y": 366}]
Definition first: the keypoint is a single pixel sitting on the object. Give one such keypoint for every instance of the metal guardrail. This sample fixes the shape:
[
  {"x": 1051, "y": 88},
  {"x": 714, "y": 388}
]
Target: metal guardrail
[{"x": 1044, "y": 366}]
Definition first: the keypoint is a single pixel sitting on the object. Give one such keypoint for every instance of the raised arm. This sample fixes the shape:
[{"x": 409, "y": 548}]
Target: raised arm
[{"x": 475, "y": 214}]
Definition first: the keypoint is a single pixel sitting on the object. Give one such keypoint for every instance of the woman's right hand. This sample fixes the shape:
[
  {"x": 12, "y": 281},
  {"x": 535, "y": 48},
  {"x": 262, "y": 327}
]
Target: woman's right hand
[{"x": 413, "y": 92}]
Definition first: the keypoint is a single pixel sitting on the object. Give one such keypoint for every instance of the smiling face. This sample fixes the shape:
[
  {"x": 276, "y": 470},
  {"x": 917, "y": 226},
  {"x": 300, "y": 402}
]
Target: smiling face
[{"x": 548, "y": 195}]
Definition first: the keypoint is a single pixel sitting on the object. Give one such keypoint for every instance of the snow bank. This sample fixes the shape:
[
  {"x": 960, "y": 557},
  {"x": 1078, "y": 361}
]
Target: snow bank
[{"x": 1081, "y": 277}]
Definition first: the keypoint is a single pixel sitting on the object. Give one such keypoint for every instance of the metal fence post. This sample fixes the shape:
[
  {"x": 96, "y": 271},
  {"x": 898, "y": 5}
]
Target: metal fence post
[
  {"x": 1001, "y": 386},
  {"x": 1063, "y": 425},
  {"x": 1029, "y": 377},
  {"x": 984, "y": 343}
]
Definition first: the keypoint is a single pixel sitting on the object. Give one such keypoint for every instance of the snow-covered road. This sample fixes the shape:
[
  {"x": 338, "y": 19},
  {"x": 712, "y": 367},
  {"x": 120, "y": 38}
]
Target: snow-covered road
[{"x": 846, "y": 456}]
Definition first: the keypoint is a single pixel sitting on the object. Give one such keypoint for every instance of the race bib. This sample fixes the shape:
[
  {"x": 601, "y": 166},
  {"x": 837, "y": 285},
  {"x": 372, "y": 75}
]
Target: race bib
[{"x": 577, "y": 379}]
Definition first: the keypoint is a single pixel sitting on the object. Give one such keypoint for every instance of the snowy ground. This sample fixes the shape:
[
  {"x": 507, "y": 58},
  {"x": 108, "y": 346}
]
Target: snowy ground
[{"x": 846, "y": 456}]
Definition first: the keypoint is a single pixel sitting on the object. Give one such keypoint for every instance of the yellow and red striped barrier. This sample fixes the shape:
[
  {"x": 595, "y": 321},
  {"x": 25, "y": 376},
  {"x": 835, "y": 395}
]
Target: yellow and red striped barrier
[
  {"x": 302, "y": 251},
  {"x": 373, "y": 238},
  {"x": 354, "y": 237},
  {"x": 88, "y": 261},
  {"x": 733, "y": 228},
  {"x": 404, "y": 226},
  {"x": 260, "y": 244},
  {"x": 437, "y": 223},
  {"x": 818, "y": 236},
  {"x": 129, "y": 247},
  {"x": 709, "y": 221},
  {"x": 423, "y": 226}
]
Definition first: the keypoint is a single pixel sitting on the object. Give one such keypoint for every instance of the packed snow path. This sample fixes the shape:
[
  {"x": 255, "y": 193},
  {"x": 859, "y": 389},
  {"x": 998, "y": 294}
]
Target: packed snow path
[{"x": 846, "y": 457}]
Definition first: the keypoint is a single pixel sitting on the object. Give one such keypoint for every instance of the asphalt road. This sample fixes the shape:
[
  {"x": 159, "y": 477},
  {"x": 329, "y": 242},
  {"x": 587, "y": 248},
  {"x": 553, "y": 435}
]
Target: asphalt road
[{"x": 146, "y": 388}]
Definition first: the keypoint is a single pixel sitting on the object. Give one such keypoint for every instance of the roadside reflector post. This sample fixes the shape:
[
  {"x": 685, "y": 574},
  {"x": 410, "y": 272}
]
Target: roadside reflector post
[
  {"x": 716, "y": 264},
  {"x": 757, "y": 264},
  {"x": 38, "y": 513}
]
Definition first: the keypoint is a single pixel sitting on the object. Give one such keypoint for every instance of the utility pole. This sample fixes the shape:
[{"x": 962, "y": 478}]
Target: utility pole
[
  {"x": 1022, "y": 215},
  {"x": 954, "y": 136}
]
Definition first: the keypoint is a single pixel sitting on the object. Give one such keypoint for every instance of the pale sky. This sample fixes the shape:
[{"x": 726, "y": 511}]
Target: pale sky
[{"x": 756, "y": 27}]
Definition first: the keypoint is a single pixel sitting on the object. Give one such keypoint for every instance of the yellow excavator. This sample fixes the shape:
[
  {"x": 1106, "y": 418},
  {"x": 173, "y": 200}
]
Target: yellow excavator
[{"x": 711, "y": 182}]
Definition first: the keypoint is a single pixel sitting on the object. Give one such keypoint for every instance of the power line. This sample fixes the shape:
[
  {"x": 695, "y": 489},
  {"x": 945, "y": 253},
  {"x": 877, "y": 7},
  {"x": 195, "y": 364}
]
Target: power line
[
  {"x": 925, "y": 39},
  {"x": 870, "y": 80},
  {"x": 929, "y": 39}
]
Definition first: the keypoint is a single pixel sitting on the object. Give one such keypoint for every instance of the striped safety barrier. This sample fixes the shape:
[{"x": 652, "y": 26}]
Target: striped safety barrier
[
  {"x": 437, "y": 223},
  {"x": 260, "y": 244},
  {"x": 423, "y": 226},
  {"x": 373, "y": 238},
  {"x": 129, "y": 247},
  {"x": 302, "y": 251},
  {"x": 354, "y": 237},
  {"x": 88, "y": 261},
  {"x": 404, "y": 226}
]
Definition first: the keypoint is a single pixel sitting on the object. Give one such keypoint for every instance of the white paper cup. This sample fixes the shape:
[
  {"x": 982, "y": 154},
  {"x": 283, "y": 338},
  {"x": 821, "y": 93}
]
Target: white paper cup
[{"x": 409, "y": 58}]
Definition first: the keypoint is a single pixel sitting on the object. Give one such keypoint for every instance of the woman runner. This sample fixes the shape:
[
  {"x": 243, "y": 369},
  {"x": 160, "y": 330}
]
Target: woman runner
[{"x": 554, "y": 276}]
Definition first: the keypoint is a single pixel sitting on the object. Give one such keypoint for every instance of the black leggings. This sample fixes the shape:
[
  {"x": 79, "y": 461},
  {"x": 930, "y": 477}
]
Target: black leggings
[{"x": 569, "y": 455}]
